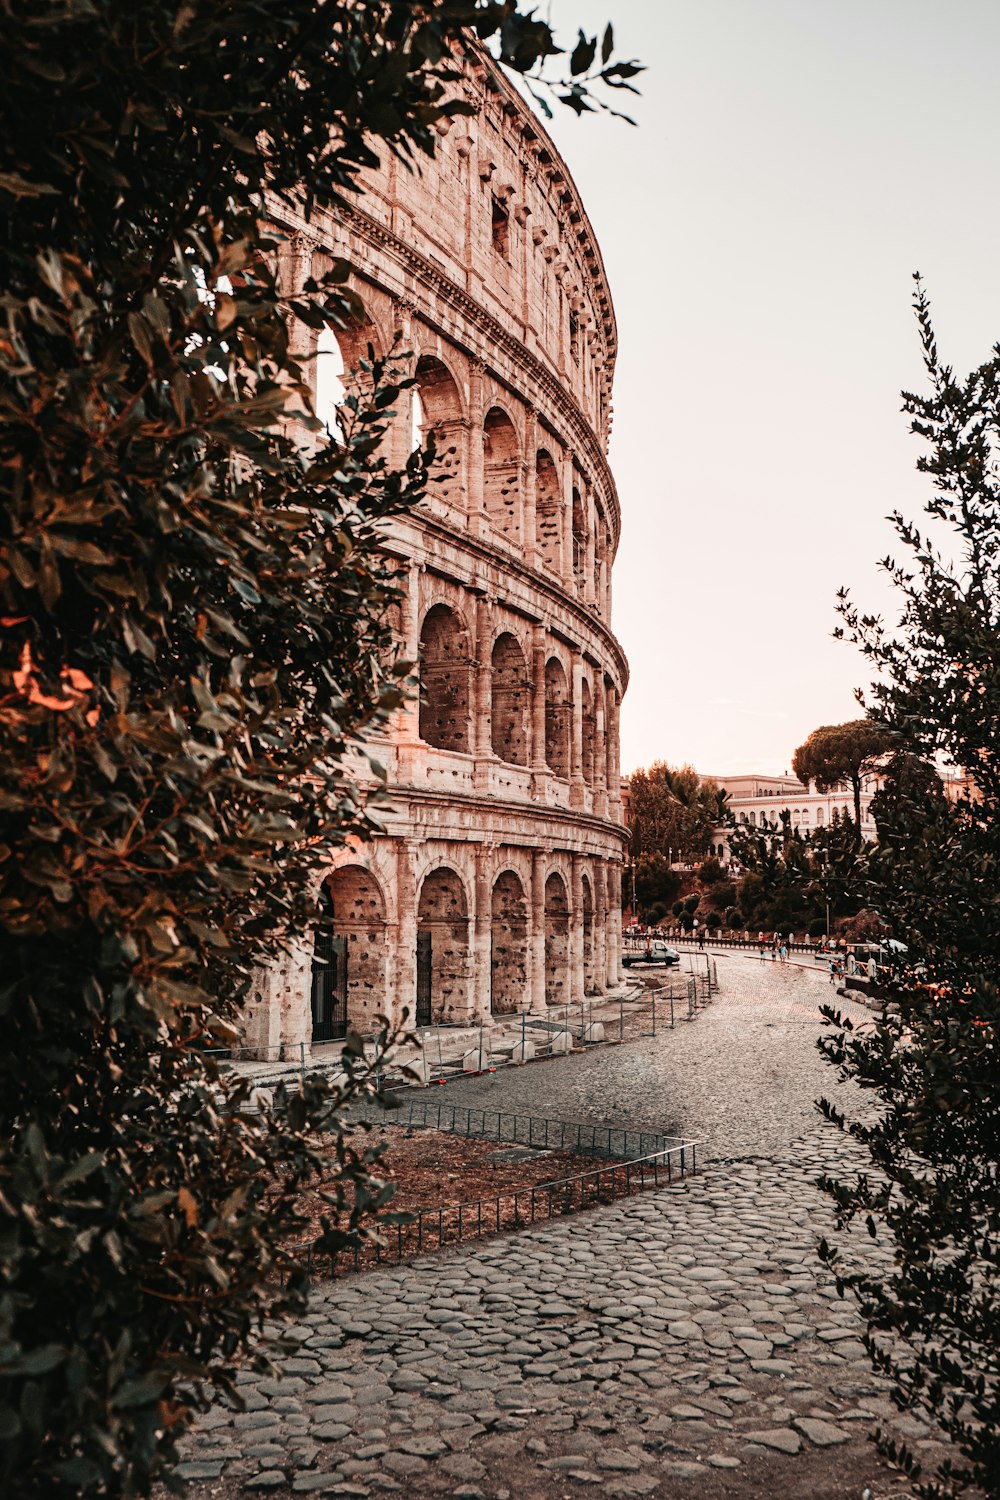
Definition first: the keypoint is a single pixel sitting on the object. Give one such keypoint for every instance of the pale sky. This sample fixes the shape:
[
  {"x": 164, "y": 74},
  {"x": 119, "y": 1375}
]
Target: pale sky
[{"x": 795, "y": 162}]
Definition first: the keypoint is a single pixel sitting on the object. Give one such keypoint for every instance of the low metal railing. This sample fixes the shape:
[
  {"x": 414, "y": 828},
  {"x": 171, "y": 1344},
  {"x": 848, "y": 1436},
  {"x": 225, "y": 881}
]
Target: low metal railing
[
  {"x": 507, "y": 1128},
  {"x": 450, "y": 1224}
]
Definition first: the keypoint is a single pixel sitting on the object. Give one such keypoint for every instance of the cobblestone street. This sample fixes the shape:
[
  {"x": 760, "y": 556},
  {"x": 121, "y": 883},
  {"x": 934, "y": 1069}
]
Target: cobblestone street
[{"x": 685, "y": 1342}]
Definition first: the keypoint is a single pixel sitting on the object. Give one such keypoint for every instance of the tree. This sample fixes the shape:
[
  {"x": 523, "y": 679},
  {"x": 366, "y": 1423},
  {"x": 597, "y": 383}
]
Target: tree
[
  {"x": 193, "y": 634},
  {"x": 931, "y": 1063},
  {"x": 673, "y": 811},
  {"x": 835, "y": 753}
]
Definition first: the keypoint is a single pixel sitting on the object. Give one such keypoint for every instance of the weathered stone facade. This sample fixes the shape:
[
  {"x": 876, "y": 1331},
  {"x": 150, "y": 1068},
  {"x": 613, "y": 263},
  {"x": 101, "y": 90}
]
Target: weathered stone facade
[{"x": 497, "y": 886}]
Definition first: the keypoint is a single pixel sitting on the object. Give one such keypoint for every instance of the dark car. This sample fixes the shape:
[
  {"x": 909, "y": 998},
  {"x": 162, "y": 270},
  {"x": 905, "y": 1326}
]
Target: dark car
[{"x": 654, "y": 952}]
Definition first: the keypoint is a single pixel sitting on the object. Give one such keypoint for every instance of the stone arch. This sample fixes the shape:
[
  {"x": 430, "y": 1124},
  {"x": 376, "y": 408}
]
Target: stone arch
[
  {"x": 509, "y": 946},
  {"x": 440, "y": 413},
  {"x": 579, "y": 542},
  {"x": 442, "y": 947},
  {"x": 556, "y": 940},
  {"x": 445, "y": 681},
  {"x": 558, "y": 717},
  {"x": 343, "y": 358},
  {"x": 589, "y": 723},
  {"x": 511, "y": 707},
  {"x": 610, "y": 721},
  {"x": 601, "y": 564},
  {"x": 502, "y": 474},
  {"x": 548, "y": 514},
  {"x": 348, "y": 967},
  {"x": 589, "y": 952}
]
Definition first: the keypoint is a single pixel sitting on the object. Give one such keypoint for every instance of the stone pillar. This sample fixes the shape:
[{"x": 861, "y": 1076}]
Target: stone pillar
[
  {"x": 406, "y": 931},
  {"x": 409, "y": 714},
  {"x": 291, "y": 991},
  {"x": 574, "y": 979},
  {"x": 600, "y": 925},
  {"x": 482, "y": 936},
  {"x": 474, "y": 458},
  {"x": 576, "y": 783},
  {"x": 615, "y": 971},
  {"x": 566, "y": 523},
  {"x": 482, "y": 685},
  {"x": 536, "y": 934},
  {"x": 529, "y": 529},
  {"x": 590, "y": 564},
  {"x": 538, "y": 659},
  {"x": 600, "y": 752}
]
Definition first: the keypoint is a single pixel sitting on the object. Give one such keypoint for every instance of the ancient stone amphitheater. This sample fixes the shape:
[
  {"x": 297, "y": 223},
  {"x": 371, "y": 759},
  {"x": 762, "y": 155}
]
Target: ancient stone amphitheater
[{"x": 497, "y": 886}]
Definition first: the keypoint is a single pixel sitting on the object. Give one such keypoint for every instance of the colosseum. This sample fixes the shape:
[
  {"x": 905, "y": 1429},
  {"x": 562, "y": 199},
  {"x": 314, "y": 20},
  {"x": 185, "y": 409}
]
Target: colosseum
[{"x": 496, "y": 887}]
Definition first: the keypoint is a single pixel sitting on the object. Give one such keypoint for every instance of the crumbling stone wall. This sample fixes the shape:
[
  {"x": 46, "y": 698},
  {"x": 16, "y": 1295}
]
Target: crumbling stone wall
[
  {"x": 443, "y": 912},
  {"x": 556, "y": 940},
  {"x": 509, "y": 946}
]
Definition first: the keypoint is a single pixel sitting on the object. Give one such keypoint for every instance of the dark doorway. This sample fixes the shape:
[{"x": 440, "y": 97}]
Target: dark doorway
[
  {"x": 329, "y": 979},
  {"x": 423, "y": 979}
]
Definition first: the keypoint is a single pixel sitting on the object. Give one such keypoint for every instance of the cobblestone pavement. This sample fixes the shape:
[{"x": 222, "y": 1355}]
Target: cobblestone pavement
[
  {"x": 685, "y": 1342},
  {"x": 743, "y": 1075}
]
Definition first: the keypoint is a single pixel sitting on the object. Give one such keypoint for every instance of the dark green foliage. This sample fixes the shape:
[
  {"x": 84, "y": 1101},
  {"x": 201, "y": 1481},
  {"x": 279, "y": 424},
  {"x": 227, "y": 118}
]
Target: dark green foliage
[
  {"x": 842, "y": 752},
  {"x": 710, "y": 872},
  {"x": 673, "y": 812},
  {"x": 655, "y": 882},
  {"x": 735, "y": 920},
  {"x": 194, "y": 630},
  {"x": 931, "y": 1065}
]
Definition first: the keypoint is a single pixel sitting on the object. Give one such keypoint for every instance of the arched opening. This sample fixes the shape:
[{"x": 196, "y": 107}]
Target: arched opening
[
  {"x": 501, "y": 474},
  {"x": 440, "y": 411},
  {"x": 589, "y": 724},
  {"x": 558, "y": 714},
  {"x": 548, "y": 512},
  {"x": 509, "y": 946},
  {"x": 442, "y": 949},
  {"x": 589, "y": 968},
  {"x": 610, "y": 729},
  {"x": 330, "y": 388},
  {"x": 601, "y": 565},
  {"x": 445, "y": 676},
  {"x": 819, "y": 817},
  {"x": 348, "y": 968},
  {"x": 510, "y": 716},
  {"x": 579, "y": 542},
  {"x": 556, "y": 941}
]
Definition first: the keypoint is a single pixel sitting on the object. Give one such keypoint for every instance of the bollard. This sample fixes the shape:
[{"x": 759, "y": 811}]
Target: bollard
[{"x": 302, "y": 1063}]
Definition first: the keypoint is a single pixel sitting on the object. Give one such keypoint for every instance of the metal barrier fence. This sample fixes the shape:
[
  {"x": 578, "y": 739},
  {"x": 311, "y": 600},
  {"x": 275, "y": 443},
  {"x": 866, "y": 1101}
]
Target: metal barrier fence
[
  {"x": 523, "y": 1130},
  {"x": 450, "y": 1224}
]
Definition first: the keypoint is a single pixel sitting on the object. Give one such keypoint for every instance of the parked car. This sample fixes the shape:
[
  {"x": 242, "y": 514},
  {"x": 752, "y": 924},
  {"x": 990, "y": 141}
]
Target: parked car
[{"x": 655, "y": 952}]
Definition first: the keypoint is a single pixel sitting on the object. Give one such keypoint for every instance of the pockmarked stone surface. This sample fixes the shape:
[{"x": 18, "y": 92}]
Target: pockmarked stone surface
[{"x": 686, "y": 1342}]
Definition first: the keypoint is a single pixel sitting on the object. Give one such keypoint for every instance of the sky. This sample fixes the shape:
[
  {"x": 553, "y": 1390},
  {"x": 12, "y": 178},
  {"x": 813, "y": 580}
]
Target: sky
[{"x": 794, "y": 162}]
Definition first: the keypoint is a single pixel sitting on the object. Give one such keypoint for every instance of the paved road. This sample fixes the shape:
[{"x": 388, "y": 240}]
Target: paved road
[
  {"x": 743, "y": 1075},
  {"x": 683, "y": 1343}
]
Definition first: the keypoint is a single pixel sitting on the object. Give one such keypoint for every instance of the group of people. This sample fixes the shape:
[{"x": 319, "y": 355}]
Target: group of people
[{"x": 778, "y": 946}]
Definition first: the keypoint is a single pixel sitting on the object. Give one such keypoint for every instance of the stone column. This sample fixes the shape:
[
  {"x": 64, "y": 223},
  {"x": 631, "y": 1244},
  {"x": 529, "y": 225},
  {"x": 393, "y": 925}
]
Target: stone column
[
  {"x": 574, "y": 979},
  {"x": 615, "y": 971},
  {"x": 474, "y": 461},
  {"x": 590, "y": 564},
  {"x": 539, "y": 767},
  {"x": 566, "y": 523},
  {"x": 406, "y": 931},
  {"x": 600, "y": 752},
  {"x": 482, "y": 939},
  {"x": 576, "y": 783},
  {"x": 292, "y": 992},
  {"x": 529, "y": 529},
  {"x": 600, "y": 925},
  {"x": 536, "y": 933}
]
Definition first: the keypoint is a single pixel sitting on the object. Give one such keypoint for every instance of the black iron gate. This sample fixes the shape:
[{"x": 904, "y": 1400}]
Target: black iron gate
[
  {"x": 423, "y": 979},
  {"x": 329, "y": 986}
]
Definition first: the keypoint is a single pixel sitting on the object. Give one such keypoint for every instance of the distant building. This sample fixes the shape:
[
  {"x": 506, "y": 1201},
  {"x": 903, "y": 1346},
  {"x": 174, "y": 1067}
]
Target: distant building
[{"x": 757, "y": 801}]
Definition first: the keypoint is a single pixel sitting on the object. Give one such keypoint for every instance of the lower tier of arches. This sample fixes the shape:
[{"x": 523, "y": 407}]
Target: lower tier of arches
[{"x": 443, "y": 931}]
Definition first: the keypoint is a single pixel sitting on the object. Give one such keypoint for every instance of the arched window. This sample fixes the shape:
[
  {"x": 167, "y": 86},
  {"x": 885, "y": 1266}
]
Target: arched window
[
  {"x": 548, "y": 515},
  {"x": 558, "y": 713},
  {"x": 589, "y": 722},
  {"x": 805, "y": 817},
  {"x": 440, "y": 408},
  {"x": 445, "y": 670},
  {"x": 579, "y": 542},
  {"x": 510, "y": 719},
  {"x": 753, "y": 820},
  {"x": 819, "y": 817},
  {"x": 502, "y": 474},
  {"x": 330, "y": 389}
]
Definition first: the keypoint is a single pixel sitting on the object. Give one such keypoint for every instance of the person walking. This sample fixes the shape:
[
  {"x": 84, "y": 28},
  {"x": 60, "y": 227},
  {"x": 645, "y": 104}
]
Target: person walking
[
  {"x": 783, "y": 951},
  {"x": 763, "y": 947}
]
